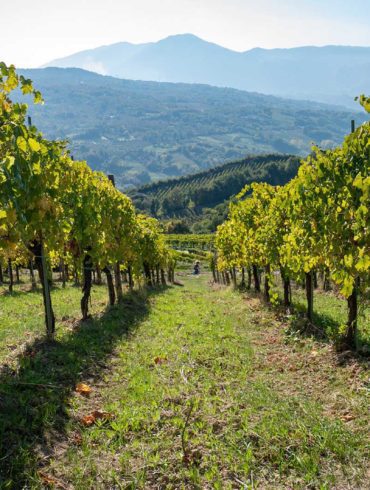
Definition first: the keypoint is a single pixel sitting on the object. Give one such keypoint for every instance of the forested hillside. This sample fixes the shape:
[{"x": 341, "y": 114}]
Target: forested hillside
[
  {"x": 145, "y": 131},
  {"x": 202, "y": 198}
]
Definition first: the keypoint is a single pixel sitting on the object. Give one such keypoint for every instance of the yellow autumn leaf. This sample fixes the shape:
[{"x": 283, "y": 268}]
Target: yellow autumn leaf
[
  {"x": 83, "y": 389},
  {"x": 363, "y": 263},
  {"x": 34, "y": 145},
  {"x": 22, "y": 143}
]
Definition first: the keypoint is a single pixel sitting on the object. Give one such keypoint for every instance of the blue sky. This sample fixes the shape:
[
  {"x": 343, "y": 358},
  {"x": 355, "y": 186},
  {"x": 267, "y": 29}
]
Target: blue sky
[{"x": 37, "y": 31}]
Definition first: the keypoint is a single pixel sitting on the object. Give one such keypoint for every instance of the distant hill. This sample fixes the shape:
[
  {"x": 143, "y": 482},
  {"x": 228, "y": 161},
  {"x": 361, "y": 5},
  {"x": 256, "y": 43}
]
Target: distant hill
[
  {"x": 330, "y": 74},
  {"x": 145, "y": 131},
  {"x": 202, "y": 198}
]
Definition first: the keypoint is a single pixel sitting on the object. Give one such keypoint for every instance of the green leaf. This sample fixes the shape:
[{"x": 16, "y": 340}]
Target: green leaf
[
  {"x": 37, "y": 97},
  {"x": 364, "y": 101},
  {"x": 27, "y": 87},
  {"x": 3, "y": 69}
]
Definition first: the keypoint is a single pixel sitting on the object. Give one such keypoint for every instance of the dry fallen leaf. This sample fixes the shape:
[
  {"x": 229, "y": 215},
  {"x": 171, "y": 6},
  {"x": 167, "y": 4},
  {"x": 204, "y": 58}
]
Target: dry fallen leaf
[
  {"x": 77, "y": 438},
  {"x": 83, "y": 389},
  {"x": 99, "y": 414},
  {"x": 348, "y": 417},
  {"x": 88, "y": 420},
  {"x": 50, "y": 481},
  {"x": 47, "y": 479},
  {"x": 160, "y": 360}
]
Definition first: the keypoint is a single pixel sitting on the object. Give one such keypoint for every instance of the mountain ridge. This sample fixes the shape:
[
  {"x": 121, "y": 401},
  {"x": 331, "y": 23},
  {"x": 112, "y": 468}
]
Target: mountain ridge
[{"x": 332, "y": 74}]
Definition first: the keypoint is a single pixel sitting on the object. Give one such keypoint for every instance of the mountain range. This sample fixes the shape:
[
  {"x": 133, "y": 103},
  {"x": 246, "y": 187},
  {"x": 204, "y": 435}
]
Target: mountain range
[
  {"x": 330, "y": 74},
  {"x": 144, "y": 131}
]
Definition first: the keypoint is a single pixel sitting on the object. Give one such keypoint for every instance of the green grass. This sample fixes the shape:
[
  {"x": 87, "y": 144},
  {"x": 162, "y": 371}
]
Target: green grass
[
  {"x": 202, "y": 392},
  {"x": 22, "y": 312}
]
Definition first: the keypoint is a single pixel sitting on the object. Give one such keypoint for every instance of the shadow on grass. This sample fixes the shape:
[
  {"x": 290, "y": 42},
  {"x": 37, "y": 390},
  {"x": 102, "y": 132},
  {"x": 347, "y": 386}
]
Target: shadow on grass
[
  {"x": 34, "y": 399},
  {"x": 325, "y": 329},
  {"x": 15, "y": 293},
  {"x": 26, "y": 289}
]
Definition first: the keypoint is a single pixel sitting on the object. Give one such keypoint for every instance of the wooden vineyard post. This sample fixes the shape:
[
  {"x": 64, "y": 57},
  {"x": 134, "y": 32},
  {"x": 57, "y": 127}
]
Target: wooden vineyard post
[
  {"x": 63, "y": 270},
  {"x": 99, "y": 281},
  {"x": 315, "y": 282},
  {"x": 249, "y": 283},
  {"x": 309, "y": 295},
  {"x": 118, "y": 282},
  {"x": 352, "y": 300},
  {"x": 37, "y": 249},
  {"x": 50, "y": 322},
  {"x": 117, "y": 268},
  {"x": 112, "y": 179},
  {"x": 147, "y": 274},
  {"x": 214, "y": 275},
  {"x": 286, "y": 286},
  {"x": 163, "y": 278},
  {"x": 32, "y": 274},
  {"x": 326, "y": 281},
  {"x": 86, "y": 288},
  {"x": 157, "y": 278},
  {"x": 75, "y": 273},
  {"x": 130, "y": 278},
  {"x": 256, "y": 278},
  {"x": 10, "y": 273},
  {"x": 233, "y": 276},
  {"x": 227, "y": 278},
  {"x": 111, "y": 293},
  {"x": 267, "y": 282},
  {"x": 352, "y": 303},
  {"x": 242, "y": 283},
  {"x": 17, "y": 274}
]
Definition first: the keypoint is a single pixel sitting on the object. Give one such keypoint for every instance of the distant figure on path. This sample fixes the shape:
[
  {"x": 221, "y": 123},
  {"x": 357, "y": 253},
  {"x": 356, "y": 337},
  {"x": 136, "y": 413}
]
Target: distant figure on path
[{"x": 196, "y": 268}]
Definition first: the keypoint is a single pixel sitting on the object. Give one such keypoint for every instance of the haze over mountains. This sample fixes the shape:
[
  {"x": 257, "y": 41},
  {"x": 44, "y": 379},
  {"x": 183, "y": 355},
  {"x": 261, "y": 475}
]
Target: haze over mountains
[
  {"x": 331, "y": 74},
  {"x": 143, "y": 131}
]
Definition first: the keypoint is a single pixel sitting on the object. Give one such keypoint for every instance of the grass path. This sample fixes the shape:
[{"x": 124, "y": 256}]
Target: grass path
[{"x": 199, "y": 388}]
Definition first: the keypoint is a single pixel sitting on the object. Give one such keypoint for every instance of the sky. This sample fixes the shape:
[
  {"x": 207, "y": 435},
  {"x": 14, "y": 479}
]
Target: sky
[{"x": 35, "y": 32}]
